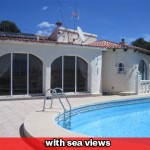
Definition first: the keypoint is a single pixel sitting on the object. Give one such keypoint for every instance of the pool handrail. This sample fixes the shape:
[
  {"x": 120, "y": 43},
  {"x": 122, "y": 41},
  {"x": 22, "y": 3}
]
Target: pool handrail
[{"x": 55, "y": 94}]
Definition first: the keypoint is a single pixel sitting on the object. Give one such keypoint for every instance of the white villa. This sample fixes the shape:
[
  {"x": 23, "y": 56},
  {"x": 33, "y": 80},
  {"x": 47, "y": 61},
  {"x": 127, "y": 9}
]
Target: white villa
[{"x": 29, "y": 65}]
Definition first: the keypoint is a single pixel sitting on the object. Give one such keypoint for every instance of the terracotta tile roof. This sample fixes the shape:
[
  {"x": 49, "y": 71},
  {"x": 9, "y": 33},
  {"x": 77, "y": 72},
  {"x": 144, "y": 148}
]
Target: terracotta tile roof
[
  {"x": 105, "y": 44},
  {"x": 113, "y": 45}
]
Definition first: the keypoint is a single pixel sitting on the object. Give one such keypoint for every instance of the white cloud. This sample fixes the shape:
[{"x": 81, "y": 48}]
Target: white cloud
[
  {"x": 44, "y": 32},
  {"x": 45, "y": 28},
  {"x": 40, "y": 32},
  {"x": 45, "y": 24},
  {"x": 45, "y": 8}
]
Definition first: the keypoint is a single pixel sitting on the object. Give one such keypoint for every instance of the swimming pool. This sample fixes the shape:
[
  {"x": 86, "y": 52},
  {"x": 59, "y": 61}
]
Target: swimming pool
[{"x": 128, "y": 118}]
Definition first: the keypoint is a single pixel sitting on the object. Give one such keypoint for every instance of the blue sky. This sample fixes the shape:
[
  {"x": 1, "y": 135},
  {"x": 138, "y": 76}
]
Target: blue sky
[{"x": 109, "y": 19}]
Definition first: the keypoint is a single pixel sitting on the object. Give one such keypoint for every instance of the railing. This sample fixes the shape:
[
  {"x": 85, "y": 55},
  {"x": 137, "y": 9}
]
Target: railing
[
  {"x": 141, "y": 86},
  {"x": 144, "y": 86},
  {"x": 58, "y": 95}
]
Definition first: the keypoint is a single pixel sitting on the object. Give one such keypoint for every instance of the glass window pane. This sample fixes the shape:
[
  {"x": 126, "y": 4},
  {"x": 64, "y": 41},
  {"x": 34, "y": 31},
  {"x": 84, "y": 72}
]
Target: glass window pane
[
  {"x": 56, "y": 73},
  {"x": 82, "y": 70},
  {"x": 35, "y": 75},
  {"x": 5, "y": 74},
  {"x": 19, "y": 74},
  {"x": 69, "y": 74},
  {"x": 143, "y": 70}
]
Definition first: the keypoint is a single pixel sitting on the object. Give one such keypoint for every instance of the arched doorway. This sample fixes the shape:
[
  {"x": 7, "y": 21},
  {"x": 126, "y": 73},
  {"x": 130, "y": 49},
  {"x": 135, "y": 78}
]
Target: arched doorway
[
  {"x": 69, "y": 73},
  {"x": 143, "y": 70},
  {"x": 20, "y": 74}
]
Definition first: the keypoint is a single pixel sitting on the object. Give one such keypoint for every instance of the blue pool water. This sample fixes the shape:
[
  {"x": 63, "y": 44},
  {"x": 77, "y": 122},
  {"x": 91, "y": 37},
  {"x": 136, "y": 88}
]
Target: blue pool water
[{"x": 132, "y": 120}]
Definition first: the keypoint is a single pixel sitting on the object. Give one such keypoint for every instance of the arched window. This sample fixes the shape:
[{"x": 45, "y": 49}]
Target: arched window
[
  {"x": 143, "y": 70},
  {"x": 20, "y": 74},
  {"x": 70, "y": 74}
]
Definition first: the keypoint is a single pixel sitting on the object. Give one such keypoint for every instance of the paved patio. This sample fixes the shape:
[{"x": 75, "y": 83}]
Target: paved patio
[{"x": 13, "y": 113}]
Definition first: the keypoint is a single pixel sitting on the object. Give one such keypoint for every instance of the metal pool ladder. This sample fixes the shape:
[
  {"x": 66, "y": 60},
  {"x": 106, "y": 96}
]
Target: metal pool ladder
[{"x": 59, "y": 95}]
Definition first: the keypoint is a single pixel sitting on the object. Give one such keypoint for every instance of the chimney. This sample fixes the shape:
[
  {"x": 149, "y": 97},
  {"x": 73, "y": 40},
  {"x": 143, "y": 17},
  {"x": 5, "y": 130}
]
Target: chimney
[
  {"x": 123, "y": 43},
  {"x": 54, "y": 35},
  {"x": 37, "y": 38},
  {"x": 59, "y": 24}
]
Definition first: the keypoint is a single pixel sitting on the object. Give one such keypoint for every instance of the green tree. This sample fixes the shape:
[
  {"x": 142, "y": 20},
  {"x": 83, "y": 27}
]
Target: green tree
[
  {"x": 140, "y": 42},
  {"x": 8, "y": 26}
]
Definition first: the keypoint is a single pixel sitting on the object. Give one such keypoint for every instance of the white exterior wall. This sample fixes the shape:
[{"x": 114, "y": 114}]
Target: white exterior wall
[
  {"x": 114, "y": 83},
  {"x": 49, "y": 52}
]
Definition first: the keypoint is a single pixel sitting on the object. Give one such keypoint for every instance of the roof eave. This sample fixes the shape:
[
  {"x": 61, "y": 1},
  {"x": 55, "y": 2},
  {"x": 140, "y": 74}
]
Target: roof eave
[{"x": 51, "y": 43}]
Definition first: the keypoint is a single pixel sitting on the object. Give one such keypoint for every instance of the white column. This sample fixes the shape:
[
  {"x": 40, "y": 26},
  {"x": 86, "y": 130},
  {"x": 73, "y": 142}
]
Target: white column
[
  {"x": 11, "y": 75},
  {"x": 27, "y": 74},
  {"x": 137, "y": 82},
  {"x": 47, "y": 78},
  {"x": 75, "y": 74},
  {"x": 96, "y": 66}
]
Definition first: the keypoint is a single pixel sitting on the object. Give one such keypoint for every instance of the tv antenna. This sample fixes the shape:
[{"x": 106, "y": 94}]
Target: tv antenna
[
  {"x": 81, "y": 34},
  {"x": 75, "y": 15}
]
